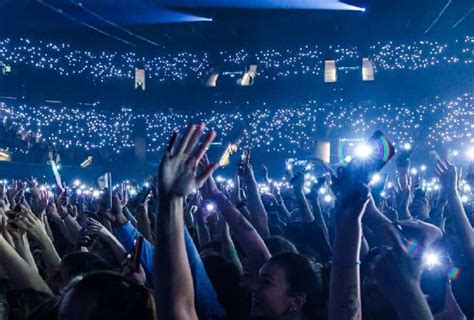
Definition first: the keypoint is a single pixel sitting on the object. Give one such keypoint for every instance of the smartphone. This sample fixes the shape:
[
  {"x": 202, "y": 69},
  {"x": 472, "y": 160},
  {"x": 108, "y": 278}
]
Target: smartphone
[
  {"x": 137, "y": 253},
  {"x": 246, "y": 156},
  {"x": 244, "y": 163},
  {"x": 382, "y": 151}
]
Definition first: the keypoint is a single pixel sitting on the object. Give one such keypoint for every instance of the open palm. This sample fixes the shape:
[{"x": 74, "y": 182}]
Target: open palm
[{"x": 177, "y": 172}]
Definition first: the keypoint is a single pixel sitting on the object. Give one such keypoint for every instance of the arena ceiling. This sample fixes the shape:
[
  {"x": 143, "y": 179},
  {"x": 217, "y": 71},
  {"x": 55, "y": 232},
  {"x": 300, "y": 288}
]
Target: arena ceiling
[{"x": 187, "y": 23}]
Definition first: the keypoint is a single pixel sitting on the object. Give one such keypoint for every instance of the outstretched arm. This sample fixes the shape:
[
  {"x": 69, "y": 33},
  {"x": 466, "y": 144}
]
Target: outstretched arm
[{"x": 177, "y": 178}]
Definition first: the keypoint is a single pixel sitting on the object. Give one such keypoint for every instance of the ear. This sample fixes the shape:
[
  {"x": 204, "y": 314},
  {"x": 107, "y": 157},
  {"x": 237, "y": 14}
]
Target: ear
[{"x": 297, "y": 301}]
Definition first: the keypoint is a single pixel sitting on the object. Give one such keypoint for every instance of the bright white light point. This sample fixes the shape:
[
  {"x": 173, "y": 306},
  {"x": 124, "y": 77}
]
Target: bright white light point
[
  {"x": 362, "y": 151},
  {"x": 455, "y": 153},
  {"x": 431, "y": 260},
  {"x": 375, "y": 178},
  {"x": 413, "y": 171},
  {"x": 423, "y": 168},
  {"x": 348, "y": 159},
  {"x": 146, "y": 185},
  {"x": 407, "y": 146},
  {"x": 210, "y": 207},
  {"x": 327, "y": 198},
  {"x": 383, "y": 194},
  {"x": 470, "y": 153},
  {"x": 76, "y": 183},
  {"x": 464, "y": 198},
  {"x": 79, "y": 191},
  {"x": 96, "y": 193}
]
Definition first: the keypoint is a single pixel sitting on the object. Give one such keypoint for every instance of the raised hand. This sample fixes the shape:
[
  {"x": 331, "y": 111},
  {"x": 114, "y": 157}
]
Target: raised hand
[
  {"x": 394, "y": 266},
  {"x": 448, "y": 175},
  {"x": 297, "y": 181},
  {"x": 52, "y": 212},
  {"x": 177, "y": 172},
  {"x": 403, "y": 195},
  {"x": 32, "y": 224},
  {"x": 39, "y": 202},
  {"x": 428, "y": 232},
  {"x": 420, "y": 208},
  {"x": 398, "y": 276},
  {"x": 210, "y": 188}
]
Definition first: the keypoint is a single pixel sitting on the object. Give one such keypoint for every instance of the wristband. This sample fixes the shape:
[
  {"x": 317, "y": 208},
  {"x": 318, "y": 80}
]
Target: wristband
[
  {"x": 232, "y": 254},
  {"x": 241, "y": 204},
  {"x": 347, "y": 265}
]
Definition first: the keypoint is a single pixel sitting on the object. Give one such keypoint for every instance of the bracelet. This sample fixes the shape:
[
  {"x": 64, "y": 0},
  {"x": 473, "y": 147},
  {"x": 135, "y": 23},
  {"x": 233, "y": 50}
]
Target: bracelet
[
  {"x": 64, "y": 216},
  {"x": 345, "y": 264},
  {"x": 232, "y": 254},
  {"x": 241, "y": 204}
]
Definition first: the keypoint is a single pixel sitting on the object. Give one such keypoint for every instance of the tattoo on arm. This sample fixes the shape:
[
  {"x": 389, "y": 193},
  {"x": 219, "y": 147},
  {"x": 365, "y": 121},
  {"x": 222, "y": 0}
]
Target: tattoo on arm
[{"x": 351, "y": 303}]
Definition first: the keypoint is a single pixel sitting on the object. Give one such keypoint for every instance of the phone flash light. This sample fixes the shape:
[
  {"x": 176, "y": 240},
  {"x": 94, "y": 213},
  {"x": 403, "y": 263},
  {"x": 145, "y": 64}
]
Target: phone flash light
[
  {"x": 431, "y": 259},
  {"x": 210, "y": 207}
]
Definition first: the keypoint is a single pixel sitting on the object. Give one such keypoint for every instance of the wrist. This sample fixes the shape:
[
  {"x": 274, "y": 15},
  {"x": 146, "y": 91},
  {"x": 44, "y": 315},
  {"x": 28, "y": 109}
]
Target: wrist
[
  {"x": 44, "y": 242},
  {"x": 120, "y": 220}
]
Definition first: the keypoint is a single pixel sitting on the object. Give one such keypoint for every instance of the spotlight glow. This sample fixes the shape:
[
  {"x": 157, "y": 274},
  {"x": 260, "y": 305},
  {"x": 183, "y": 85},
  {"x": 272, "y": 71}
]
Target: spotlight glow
[
  {"x": 470, "y": 153},
  {"x": 431, "y": 260},
  {"x": 363, "y": 151}
]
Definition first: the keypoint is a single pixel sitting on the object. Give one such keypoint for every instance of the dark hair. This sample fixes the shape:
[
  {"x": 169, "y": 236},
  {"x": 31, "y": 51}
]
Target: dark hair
[
  {"x": 110, "y": 295},
  {"x": 277, "y": 245},
  {"x": 225, "y": 279},
  {"x": 302, "y": 276},
  {"x": 79, "y": 263}
]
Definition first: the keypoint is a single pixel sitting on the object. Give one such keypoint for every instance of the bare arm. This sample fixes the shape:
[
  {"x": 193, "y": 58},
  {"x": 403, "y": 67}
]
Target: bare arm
[
  {"x": 20, "y": 273},
  {"x": 36, "y": 229},
  {"x": 449, "y": 176},
  {"x": 344, "y": 287},
  {"x": 255, "y": 205},
  {"x": 177, "y": 178},
  {"x": 143, "y": 222}
]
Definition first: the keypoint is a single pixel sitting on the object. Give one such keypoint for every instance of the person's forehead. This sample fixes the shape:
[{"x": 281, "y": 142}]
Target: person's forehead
[{"x": 272, "y": 270}]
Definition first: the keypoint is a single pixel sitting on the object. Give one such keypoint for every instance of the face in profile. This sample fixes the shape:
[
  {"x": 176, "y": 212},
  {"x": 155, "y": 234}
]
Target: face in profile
[{"x": 271, "y": 297}]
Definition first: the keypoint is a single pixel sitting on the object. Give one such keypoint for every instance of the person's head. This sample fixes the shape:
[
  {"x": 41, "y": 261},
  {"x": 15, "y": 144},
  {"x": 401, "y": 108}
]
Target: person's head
[
  {"x": 374, "y": 303},
  {"x": 78, "y": 263},
  {"x": 277, "y": 245},
  {"x": 225, "y": 279},
  {"x": 288, "y": 286},
  {"x": 106, "y": 295}
]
